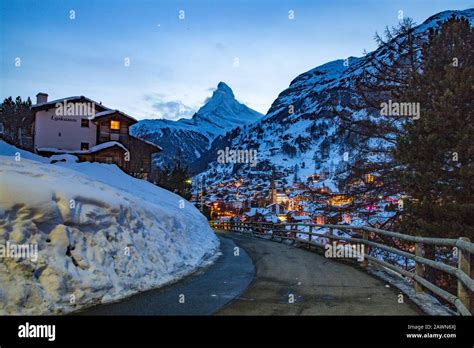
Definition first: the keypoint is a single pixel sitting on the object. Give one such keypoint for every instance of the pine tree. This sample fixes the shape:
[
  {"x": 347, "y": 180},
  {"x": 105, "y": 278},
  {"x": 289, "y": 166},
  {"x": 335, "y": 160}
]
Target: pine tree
[
  {"x": 436, "y": 151},
  {"x": 373, "y": 135},
  {"x": 17, "y": 119},
  {"x": 175, "y": 179}
]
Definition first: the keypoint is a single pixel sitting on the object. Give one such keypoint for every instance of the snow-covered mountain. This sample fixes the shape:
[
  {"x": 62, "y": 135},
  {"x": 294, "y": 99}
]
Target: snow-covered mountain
[
  {"x": 192, "y": 137},
  {"x": 301, "y": 133}
]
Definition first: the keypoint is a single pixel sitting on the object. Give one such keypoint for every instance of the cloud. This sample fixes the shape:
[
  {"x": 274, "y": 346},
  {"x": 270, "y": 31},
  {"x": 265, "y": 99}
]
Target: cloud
[
  {"x": 169, "y": 109},
  {"x": 221, "y": 47}
]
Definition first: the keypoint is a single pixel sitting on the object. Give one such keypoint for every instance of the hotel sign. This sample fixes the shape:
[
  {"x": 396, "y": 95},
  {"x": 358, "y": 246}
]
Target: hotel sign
[{"x": 63, "y": 118}]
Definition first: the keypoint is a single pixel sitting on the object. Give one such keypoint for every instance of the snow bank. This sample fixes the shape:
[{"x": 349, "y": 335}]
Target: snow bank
[
  {"x": 63, "y": 158},
  {"x": 100, "y": 234}
]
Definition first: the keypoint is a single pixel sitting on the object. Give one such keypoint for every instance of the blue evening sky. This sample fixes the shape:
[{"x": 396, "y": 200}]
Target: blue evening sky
[{"x": 175, "y": 63}]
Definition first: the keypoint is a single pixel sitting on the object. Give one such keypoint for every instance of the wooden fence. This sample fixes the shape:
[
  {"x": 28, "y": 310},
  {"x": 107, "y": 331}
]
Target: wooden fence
[{"x": 463, "y": 247}]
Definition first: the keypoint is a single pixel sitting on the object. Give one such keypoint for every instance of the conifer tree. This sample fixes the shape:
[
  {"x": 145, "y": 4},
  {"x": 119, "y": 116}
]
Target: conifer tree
[
  {"x": 17, "y": 118},
  {"x": 436, "y": 151},
  {"x": 374, "y": 135}
]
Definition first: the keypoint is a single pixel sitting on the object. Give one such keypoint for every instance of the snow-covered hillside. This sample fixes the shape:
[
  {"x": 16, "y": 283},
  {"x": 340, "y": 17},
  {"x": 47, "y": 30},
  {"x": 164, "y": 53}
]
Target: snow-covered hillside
[
  {"x": 301, "y": 133},
  {"x": 191, "y": 137},
  {"x": 100, "y": 234}
]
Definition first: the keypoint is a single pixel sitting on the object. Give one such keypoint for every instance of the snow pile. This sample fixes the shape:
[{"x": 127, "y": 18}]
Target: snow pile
[
  {"x": 63, "y": 158},
  {"x": 93, "y": 149},
  {"x": 100, "y": 235}
]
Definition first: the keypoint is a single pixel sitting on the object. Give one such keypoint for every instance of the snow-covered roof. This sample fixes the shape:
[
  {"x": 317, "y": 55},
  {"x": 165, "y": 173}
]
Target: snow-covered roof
[
  {"x": 68, "y": 99},
  {"x": 271, "y": 218},
  {"x": 281, "y": 205},
  {"x": 254, "y": 211},
  {"x": 93, "y": 149},
  {"x": 301, "y": 218},
  {"x": 111, "y": 112}
]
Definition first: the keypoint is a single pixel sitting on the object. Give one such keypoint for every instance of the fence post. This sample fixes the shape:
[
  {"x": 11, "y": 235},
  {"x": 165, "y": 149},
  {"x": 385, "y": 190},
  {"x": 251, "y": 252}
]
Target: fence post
[
  {"x": 464, "y": 264},
  {"x": 418, "y": 267},
  {"x": 365, "y": 236},
  {"x": 310, "y": 236}
]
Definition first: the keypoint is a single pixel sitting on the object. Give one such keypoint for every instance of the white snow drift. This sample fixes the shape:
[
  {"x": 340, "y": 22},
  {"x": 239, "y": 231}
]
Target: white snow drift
[{"x": 100, "y": 234}]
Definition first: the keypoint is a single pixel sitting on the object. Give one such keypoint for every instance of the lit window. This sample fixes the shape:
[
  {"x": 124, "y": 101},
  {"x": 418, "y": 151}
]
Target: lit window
[
  {"x": 115, "y": 125},
  {"x": 84, "y": 146},
  {"x": 369, "y": 178}
]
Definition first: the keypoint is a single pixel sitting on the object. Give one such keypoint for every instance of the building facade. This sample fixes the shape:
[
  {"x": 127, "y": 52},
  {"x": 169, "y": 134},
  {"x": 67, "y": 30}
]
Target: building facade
[{"x": 79, "y": 126}]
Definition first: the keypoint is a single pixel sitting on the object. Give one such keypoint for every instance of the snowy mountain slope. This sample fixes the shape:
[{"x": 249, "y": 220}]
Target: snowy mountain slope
[
  {"x": 301, "y": 135},
  {"x": 191, "y": 137},
  {"x": 100, "y": 235}
]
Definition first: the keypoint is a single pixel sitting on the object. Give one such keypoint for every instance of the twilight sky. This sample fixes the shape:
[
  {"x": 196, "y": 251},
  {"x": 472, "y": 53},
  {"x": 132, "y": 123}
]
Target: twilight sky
[{"x": 174, "y": 63}]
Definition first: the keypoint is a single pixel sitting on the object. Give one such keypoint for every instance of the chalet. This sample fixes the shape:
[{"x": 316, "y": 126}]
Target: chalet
[{"x": 90, "y": 131}]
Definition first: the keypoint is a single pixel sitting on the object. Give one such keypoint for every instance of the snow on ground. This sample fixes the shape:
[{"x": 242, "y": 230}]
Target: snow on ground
[
  {"x": 100, "y": 234},
  {"x": 63, "y": 158}
]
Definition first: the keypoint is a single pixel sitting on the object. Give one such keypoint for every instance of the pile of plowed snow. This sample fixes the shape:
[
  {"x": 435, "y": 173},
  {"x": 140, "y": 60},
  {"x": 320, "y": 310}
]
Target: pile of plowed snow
[{"x": 76, "y": 234}]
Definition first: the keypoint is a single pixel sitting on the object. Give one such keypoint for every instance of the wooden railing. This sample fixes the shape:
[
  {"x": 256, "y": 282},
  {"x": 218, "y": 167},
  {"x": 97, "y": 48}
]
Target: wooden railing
[{"x": 365, "y": 235}]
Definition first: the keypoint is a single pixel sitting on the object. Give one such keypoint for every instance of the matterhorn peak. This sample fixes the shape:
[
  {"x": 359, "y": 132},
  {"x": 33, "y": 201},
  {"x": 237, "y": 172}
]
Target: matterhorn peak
[
  {"x": 223, "y": 90},
  {"x": 220, "y": 114}
]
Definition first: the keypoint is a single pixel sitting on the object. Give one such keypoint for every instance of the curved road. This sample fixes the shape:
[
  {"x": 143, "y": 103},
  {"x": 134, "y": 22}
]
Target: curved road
[
  {"x": 316, "y": 285},
  {"x": 288, "y": 281},
  {"x": 205, "y": 292}
]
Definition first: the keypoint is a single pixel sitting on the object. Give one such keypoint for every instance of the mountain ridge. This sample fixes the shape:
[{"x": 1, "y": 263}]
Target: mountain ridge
[
  {"x": 299, "y": 133},
  {"x": 189, "y": 138}
]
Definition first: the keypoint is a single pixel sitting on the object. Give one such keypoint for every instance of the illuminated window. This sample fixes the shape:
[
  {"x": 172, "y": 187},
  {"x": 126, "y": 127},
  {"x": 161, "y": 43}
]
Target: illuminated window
[
  {"x": 84, "y": 146},
  {"x": 115, "y": 125}
]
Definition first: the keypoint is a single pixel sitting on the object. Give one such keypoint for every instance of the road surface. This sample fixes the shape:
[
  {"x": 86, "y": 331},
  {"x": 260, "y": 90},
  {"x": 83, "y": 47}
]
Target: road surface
[
  {"x": 204, "y": 292},
  {"x": 316, "y": 285},
  {"x": 268, "y": 278}
]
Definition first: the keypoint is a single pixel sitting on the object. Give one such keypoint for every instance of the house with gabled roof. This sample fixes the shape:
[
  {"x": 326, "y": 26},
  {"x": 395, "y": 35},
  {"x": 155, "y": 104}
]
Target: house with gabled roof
[{"x": 84, "y": 128}]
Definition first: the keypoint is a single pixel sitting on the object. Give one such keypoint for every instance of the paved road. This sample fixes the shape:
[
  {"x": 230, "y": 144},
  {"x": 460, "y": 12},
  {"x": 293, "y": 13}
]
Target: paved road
[
  {"x": 204, "y": 292},
  {"x": 231, "y": 287},
  {"x": 319, "y": 286}
]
